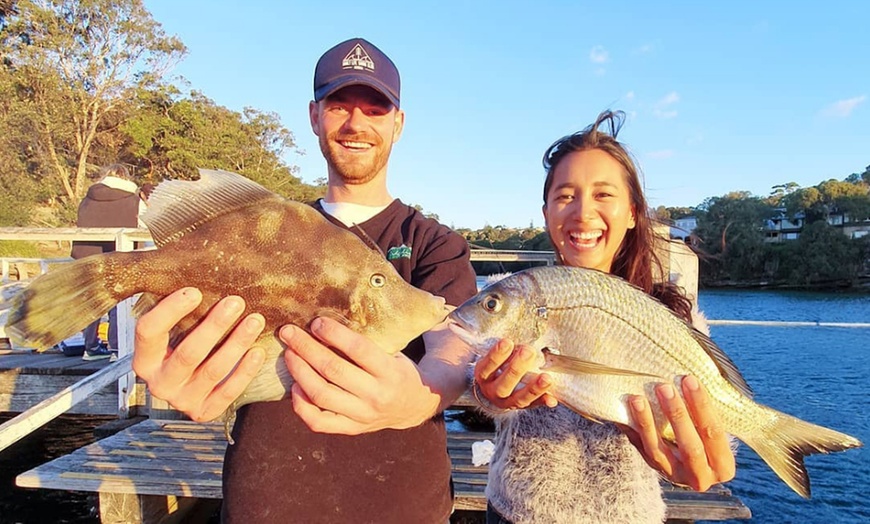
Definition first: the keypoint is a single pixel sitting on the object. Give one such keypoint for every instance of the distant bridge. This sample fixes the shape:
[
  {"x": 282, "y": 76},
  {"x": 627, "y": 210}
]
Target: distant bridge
[{"x": 509, "y": 255}]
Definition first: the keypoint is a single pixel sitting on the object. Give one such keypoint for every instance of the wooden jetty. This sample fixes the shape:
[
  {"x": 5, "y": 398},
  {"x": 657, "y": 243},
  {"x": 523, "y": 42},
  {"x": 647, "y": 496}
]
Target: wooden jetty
[{"x": 155, "y": 471}]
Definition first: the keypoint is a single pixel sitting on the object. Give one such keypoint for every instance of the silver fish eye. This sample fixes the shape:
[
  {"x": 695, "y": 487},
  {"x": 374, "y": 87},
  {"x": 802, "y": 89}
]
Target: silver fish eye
[
  {"x": 492, "y": 304},
  {"x": 378, "y": 280}
]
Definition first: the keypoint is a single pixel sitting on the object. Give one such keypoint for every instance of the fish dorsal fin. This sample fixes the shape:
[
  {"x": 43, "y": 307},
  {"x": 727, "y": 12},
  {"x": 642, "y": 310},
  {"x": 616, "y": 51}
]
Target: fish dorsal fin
[
  {"x": 177, "y": 207},
  {"x": 726, "y": 367},
  {"x": 564, "y": 364}
]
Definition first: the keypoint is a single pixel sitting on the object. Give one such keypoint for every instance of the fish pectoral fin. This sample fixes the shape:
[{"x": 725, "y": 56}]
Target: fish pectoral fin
[
  {"x": 580, "y": 412},
  {"x": 334, "y": 315},
  {"x": 565, "y": 364}
]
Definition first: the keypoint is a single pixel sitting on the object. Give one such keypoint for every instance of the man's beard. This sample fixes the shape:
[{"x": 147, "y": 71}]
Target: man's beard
[{"x": 354, "y": 171}]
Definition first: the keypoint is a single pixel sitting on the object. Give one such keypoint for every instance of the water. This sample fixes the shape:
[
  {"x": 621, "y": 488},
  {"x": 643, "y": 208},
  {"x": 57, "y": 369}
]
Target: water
[
  {"x": 816, "y": 373},
  {"x": 59, "y": 437}
]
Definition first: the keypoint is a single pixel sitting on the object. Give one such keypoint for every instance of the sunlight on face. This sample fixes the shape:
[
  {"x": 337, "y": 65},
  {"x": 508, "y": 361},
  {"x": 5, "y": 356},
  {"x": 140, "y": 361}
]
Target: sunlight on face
[
  {"x": 588, "y": 209},
  {"x": 356, "y": 128}
]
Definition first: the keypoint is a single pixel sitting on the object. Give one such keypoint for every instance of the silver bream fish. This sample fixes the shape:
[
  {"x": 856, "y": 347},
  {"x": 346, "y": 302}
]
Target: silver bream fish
[
  {"x": 602, "y": 339},
  {"x": 227, "y": 235}
]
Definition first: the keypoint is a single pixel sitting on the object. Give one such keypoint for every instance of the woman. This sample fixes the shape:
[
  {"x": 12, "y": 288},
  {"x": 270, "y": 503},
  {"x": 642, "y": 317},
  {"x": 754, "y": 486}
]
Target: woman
[{"x": 550, "y": 464}]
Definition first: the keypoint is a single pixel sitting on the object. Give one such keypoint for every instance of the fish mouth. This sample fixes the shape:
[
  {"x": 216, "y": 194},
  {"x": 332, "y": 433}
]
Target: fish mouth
[{"x": 462, "y": 329}]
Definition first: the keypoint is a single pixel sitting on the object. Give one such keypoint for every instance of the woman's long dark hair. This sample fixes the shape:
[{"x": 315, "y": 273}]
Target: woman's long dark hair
[{"x": 636, "y": 257}]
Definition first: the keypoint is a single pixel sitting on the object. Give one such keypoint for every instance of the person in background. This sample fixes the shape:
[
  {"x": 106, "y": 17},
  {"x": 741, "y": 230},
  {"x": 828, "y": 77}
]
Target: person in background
[
  {"x": 550, "y": 464},
  {"x": 111, "y": 202},
  {"x": 361, "y": 439},
  {"x": 144, "y": 193}
]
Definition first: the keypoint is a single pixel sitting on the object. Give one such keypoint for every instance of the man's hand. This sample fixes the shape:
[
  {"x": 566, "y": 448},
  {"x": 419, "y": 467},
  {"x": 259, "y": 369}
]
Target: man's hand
[
  {"x": 190, "y": 377},
  {"x": 500, "y": 372},
  {"x": 363, "y": 389},
  {"x": 702, "y": 456}
]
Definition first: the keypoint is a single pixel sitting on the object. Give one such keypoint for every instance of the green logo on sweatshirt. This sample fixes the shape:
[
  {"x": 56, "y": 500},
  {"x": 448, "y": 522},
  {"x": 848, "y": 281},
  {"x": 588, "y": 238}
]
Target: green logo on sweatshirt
[{"x": 402, "y": 251}]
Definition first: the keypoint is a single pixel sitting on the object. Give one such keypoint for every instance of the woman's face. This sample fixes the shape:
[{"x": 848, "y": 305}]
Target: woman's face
[{"x": 588, "y": 209}]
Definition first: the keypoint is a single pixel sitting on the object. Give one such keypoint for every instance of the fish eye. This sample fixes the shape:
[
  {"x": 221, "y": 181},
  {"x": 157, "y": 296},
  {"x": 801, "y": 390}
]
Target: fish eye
[
  {"x": 492, "y": 304},
  {"x": 378, "y": 280}
]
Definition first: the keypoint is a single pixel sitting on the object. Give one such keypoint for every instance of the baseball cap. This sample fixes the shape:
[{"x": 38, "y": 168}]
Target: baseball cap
[{"x": 356, "y": 62}]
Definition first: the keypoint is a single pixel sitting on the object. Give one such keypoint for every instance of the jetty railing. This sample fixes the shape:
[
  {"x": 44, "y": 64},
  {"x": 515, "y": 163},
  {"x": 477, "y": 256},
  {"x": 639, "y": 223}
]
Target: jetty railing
[
  {"x": 788, "y": 323},
  {"x": 124, "y": 239}
]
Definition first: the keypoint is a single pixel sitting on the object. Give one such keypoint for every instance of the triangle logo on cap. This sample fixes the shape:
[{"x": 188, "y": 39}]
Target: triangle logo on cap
[{"x": 358, "y": 58}]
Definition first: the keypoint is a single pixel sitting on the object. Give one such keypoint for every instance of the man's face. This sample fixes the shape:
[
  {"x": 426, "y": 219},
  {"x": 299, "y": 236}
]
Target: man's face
[{"x": 356, "y": 127}]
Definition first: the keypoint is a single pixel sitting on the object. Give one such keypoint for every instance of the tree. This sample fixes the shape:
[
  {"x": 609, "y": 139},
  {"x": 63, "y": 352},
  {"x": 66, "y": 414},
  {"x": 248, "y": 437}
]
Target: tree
[
  {"x": 779, "y": 191},
  {"x": 731, "y": 234},
  {"x": 826, "y": 254},
  {"x": 170, "y": 136},
  {"x": 679, "y": 212},
  {"x": 856, "y": 178},
  {"x": 73, "y": 62},
  {"x": 817, "y": 203}
]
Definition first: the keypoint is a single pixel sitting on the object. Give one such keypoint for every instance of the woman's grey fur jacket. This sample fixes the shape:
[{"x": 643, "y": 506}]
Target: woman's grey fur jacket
[{"x": 554, "y": 466}]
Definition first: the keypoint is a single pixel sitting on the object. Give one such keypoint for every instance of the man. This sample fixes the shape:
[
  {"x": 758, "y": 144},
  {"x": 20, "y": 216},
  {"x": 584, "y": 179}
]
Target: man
[
  {"x": 361, "y": 439},
  {"x": 112, "y": 202}
]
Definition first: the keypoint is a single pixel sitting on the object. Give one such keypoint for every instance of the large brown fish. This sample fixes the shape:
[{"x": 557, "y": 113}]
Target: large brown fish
[
  {"x": 226, "y": 235},
  {"x": 602, "y": 339}
]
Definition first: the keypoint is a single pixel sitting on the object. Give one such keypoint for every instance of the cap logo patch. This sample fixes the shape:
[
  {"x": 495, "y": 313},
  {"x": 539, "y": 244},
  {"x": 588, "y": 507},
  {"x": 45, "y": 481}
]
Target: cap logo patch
[{"x": 358, "y": 59}]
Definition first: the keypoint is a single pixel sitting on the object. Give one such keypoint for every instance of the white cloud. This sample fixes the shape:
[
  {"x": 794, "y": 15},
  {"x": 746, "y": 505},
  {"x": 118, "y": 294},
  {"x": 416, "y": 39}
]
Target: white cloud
[
  {"x": 629, "y": 96},
  {"x": 843, "y": 108},
  {"x": 660, "y": 113},
  {"x": 598, "y": 55},
  {"x": 661, "y": 154},
  {"x": 662, "y": 109},
  {"x": 644, "y": 49},
  {"x": 670, "y": 98}
]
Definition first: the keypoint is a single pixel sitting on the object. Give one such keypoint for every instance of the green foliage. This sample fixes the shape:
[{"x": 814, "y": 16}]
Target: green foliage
[
  {"x": 826, "y": 254},
  {"x": 18, "y": 248},
  {"x": 675, "y": 213},
  {"x": 170, "y": 136},
  {"x": 72, "y": 63},
  {"x": 731, "y": 236}
]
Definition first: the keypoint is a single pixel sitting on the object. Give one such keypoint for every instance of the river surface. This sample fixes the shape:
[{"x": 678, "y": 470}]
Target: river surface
[{"x": 819, "y": 374}]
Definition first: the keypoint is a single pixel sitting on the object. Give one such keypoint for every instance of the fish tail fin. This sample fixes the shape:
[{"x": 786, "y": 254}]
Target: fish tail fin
[
  {"x": 65, "y": 300},
  {"x": 786, "y": 440}
]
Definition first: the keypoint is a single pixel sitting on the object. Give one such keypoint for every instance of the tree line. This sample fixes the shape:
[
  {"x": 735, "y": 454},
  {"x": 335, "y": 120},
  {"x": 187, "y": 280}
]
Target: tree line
[
  {"x": 731, "y": 232},
  {"x": 86, "y": 83}
]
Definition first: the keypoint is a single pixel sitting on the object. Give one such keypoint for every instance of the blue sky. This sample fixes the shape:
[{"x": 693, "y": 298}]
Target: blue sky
[{"x": 721, "y": 96}]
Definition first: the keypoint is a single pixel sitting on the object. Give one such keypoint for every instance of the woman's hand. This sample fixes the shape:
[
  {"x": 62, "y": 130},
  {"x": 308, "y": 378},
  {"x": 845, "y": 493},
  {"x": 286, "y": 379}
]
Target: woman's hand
[
  {"x": 702, "y": 455},
  {"x": 499, "y": 373}
]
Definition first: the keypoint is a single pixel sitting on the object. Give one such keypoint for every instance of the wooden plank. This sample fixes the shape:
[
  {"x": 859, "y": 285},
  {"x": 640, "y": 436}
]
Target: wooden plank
[
  {"x": 18, "y": 393},
  {"x": 121, "y": 508},
  {"x": 116, "y": 468},
  {"x": 33, "y": 363},
  {"x": 34, "y": 418}
]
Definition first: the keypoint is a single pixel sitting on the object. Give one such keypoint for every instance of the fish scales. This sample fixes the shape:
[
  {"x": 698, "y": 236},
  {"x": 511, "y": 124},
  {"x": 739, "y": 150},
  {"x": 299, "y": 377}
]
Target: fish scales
[
  {"x": 603, "y": 340},
  {"x": 618, "y": 320},
  {"x": 226, "y": 235}
]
